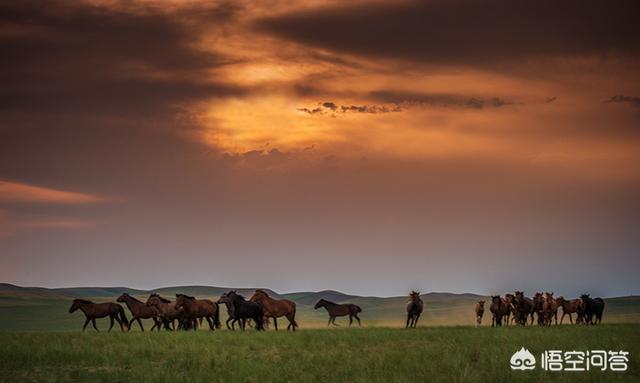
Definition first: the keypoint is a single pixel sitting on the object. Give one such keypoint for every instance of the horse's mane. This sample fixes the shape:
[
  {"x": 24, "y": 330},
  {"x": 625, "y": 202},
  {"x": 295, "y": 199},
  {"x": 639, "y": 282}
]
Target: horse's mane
[
  {"x": 162, "y": 299},
  {"x": 262, "y": 291},
  {"x": 134, "y": 298},
  {"x": 329, "y": 302},
  {"x": 185, "y": 296},
  {"x": 83, "y": 301}
]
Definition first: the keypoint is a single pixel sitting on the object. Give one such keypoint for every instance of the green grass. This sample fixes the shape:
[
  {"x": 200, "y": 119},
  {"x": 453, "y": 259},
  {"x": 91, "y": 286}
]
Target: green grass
[{"x": 447, "y": 354}]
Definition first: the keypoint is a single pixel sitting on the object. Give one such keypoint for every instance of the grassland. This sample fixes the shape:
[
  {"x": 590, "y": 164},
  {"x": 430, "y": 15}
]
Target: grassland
[{"x": 447, "y": 354}]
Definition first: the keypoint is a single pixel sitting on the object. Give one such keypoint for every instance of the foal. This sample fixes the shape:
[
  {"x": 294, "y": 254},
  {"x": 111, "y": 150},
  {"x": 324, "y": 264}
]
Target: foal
[
  {"x": 91, "y": 311},
  {"x": 339, "y": 310},
  {"x": 479, "y": 312}
]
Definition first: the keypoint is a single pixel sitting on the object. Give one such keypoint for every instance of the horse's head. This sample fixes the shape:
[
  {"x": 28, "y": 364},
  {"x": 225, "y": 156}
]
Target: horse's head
[
  {"x": 74, "y": 306},
  {"x": 414, "y": 295},
  {"x": 560, "y": 300},
  {"x": 153, "y": 300},
  {"x": 258, "y": 296},
  {"x": 585, "y": 298},
  {"x": 319, "y": 304},
  {"x": 495, "y": 299},
  {"x": 182, "y": 300},
  {"x": 481, "y": 303},
  {"x": 510, "y": 298},
  {"x": 123, "y": 297}
]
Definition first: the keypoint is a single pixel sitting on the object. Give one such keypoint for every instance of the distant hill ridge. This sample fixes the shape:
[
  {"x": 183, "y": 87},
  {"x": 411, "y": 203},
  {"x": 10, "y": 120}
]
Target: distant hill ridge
[{"x": 304, "y": 298}]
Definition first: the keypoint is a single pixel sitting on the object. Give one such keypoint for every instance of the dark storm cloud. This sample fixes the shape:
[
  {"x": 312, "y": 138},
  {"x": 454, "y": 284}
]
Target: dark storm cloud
[
  {"x": 468, "y": 32},
  {"x": 634, "y": 101},
  {"x": 64, "y": 57},
  {"x": 399, "y": 101}
]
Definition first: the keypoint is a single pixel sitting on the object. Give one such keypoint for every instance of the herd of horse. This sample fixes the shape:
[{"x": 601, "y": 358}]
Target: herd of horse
[
  {"x": 519, "y": 309},
  {"x": 189, "y": 313}
]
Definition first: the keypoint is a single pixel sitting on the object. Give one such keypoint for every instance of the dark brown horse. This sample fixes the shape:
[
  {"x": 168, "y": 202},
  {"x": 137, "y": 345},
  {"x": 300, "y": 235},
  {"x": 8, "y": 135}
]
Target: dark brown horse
[
  {"x": 199, "y": 308},
  {"x": 414, "y": 309},
  {"x": 91, "y": 311},
  {"x": 592, "y": 308},
  {"x": 570, "y": 307},
  {"x": 499, "y": 309},
  {"x": 479, "y": 312},
  {"x": 538, "y": 303},
  {"x": 139, "y": 310},
  {"x": 275, "y": 308},
  {"x": 339, "y": 310},
  {"x": 549, "y": 309},
  {"x": 525, "y": 308},
  {"x": 167, "y": 311}
]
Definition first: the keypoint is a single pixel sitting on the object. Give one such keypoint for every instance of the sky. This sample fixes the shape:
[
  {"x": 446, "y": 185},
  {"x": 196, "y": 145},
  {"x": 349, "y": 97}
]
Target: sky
[{"x": 364, "y": 146}]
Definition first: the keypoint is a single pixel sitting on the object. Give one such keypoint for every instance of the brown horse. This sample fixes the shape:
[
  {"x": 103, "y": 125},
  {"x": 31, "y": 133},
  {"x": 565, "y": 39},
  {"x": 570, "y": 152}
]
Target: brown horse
[
  {"x": 167, "y": 311},
  {"x": 199, "y": 308},
  {"x": 339, "y": 310},
  {"x": 139, "y": 310},
  {"x": 549, "y": 309},
  {"x": 525, "y": 308},
  {"x": 479, "y": 312},
  {"x": 513, "y": 315},
  {"x": 275, "y": 308},
  {"x": 414, "y": 309},
  {"x": 569, "y": 307},
  {"x": 538, "y": 303},
  {"x": 91, "y": 311},
  {"x": 499, "y": 308}
]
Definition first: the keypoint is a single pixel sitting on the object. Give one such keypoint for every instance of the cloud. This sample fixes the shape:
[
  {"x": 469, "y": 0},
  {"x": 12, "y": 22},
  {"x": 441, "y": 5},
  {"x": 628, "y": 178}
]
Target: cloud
[
  {"x": 122, "y": 60},
  {"x": 24, "y": 193},
  {"x": 634, "y": 101},
  {"x": 400, "y": 101},
  {"x": 467, "y": 32}
]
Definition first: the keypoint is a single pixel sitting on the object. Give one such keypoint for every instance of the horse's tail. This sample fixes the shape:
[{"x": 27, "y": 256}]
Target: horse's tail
[
  {"x": 123, "y": 316},
  {"x": 358, "y": 309},
  {"x": 216, "y": 317}
]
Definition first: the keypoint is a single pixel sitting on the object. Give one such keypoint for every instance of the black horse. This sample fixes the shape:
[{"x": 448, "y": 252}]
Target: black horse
[
  {"x": 592, "y": 307},
  {"x": 243, "y": 309},
  {"x": 414, "y": 309}
]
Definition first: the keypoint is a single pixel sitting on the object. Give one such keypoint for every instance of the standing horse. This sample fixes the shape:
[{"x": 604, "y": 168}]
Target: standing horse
[
  {"x": 513, "y": 315},
  {"x": 538, "y": 303},
  {"x": 525, "y": 308},
  {"x": 139, "y": 310},
  {"x": 592, "y": 307},
  {"x": 167, "y": 311},
  {"x": 569, "y": 307},
  {"x": 243, "y": 309},
  {"x": 479, "y": 312},
  {"x": 339, "y": 310},
  {"x": 499, "y": 308},
  {"x": 195, "y": 309},
  {"x": 550, "y": 309},
  {"x": 274, "y": 308},
  {"x": 414, "y": 309},
  {"x": 91, "y": 311}
]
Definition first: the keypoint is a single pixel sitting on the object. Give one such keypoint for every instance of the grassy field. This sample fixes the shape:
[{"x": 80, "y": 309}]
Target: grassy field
[{"x": 447, "y": 354}]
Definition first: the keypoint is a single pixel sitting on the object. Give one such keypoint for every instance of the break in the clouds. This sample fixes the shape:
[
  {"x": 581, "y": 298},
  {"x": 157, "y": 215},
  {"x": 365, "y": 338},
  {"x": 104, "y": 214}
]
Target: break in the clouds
[{"x": 473, "y": 143}]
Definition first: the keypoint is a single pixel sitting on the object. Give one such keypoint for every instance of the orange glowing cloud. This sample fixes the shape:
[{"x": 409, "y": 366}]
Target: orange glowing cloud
[{"x": 24, "y": 193}]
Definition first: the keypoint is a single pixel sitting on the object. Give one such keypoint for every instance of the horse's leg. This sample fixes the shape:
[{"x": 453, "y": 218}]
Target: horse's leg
[
  {"x": 140, "y": 323},
  {"x": 210, "y": 323},
  {"x": 334, "y": 322},
  {"x": 329, "y": 323},
  {"x": 93, "y": 322},
  {"x": 358, "y": 319},
  {"x": 112, "y": 321},
  {"x": 86, "y": 322},
  {"x": 350, "y": 320},
  {"x": 275, "y": 323},
  {"x": 408, "y": 319}
]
